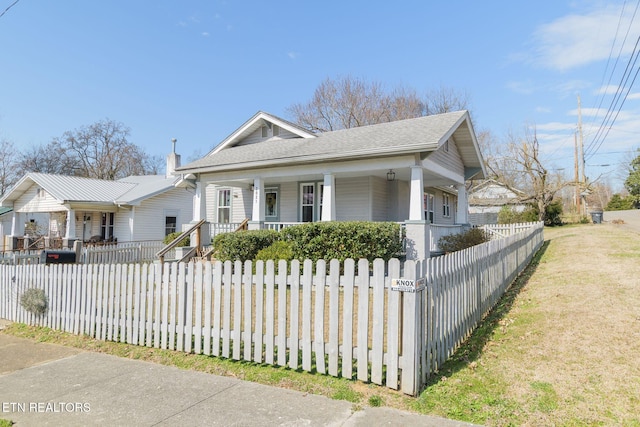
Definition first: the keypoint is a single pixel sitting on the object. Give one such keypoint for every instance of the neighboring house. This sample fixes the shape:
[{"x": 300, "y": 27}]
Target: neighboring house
[
  {"x": 5, "y": 225},
  {"x": 274, "y": 173},
  {"x": 136, "y": 208},
  {"x": 487, "y": 198}
]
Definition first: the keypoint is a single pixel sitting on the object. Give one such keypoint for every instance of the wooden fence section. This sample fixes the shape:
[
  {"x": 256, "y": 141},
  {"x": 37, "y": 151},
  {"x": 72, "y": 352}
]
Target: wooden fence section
[
  {"x": 20, "y": 257},
  {"x": 500, "y": 231},
  {"x": 121, "y": 252},
  {"x": 337, "y": 319},
  {"x": 463, "y": 286}
]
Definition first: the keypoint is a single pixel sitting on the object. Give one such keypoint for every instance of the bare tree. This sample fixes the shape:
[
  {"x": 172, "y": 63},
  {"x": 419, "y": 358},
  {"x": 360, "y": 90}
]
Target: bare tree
[
  {"x": 50, "y": 158},
  {"x": 348, "y": 102},
  {"x": 446, "y": 100},
  {"x": 521, "y": 169},
  {"x": 8, "y": 166},
  {"x": 102, "y": 150}
]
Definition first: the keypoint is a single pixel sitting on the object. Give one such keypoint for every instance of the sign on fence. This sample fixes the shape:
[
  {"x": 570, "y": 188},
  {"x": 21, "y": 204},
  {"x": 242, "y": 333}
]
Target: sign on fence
[{"x": 407, "y": 285}]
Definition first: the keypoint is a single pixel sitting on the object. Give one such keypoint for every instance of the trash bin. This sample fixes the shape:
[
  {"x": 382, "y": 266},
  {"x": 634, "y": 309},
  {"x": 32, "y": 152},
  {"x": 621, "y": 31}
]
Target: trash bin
[
  {"x": 596, "y": 217},
  {"x": 57, "y": 257}
]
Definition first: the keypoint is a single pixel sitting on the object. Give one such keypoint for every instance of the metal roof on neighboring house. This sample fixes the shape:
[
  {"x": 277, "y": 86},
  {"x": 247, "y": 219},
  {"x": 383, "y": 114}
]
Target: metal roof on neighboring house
[
  {"x": 411, "y": 135},
  {"x": 65, "y": 189},
  {"x": 145, "y": 186}
]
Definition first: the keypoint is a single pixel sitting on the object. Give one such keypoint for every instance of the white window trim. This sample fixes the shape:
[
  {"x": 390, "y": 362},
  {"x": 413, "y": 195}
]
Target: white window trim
[
  {"x": 230, "y": 207},
  {"x": 446, "y": 206}
]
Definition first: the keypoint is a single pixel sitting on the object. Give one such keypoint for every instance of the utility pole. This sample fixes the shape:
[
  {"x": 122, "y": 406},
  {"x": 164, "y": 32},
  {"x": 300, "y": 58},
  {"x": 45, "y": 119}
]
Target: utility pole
[
  {"x": 581, "y": 152},
  {"x": 576, "y": 169}
]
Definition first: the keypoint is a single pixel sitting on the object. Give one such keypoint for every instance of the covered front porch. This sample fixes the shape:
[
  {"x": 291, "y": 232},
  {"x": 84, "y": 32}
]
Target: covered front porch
[
  {"x": 435, "y": 201},
  {"x": 60, "y": 229}
]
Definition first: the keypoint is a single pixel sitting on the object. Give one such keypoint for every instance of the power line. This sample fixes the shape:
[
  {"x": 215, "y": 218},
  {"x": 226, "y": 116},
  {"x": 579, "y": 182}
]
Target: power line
[
  {"x": 9, "y": 7},
  {"x": 618, "y": 101}
]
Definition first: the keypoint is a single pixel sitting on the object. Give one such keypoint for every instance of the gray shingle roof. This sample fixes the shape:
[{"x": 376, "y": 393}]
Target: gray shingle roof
[{"x": 419, "y": 134}]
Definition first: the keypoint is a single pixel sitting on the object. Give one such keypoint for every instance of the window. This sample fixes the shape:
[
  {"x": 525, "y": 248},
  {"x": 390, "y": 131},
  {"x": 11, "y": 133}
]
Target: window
[
  {"x": 170, "y": 224},
  {"x": 224, "y": 206},
  {"x": 276, "y": 130},
  {"x": 271, "y": 203},
  {"x": 40, "y": 193},
  {"x": 308, "y": 202},
  {"x": 265, "y": 131},
  {"x": 429, "y": 202},
  {"x": 107, "y": 225},
  {"x": 446, "y": 208}
]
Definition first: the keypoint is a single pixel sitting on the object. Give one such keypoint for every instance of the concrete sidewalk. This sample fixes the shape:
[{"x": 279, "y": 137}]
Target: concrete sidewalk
[{"x": 47, "y": 384}]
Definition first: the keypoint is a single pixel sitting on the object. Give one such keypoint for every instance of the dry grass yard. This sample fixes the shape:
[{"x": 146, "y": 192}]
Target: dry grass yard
[
  {"x": 565, "y": 349},
  {"x": 562, "y": 348}
]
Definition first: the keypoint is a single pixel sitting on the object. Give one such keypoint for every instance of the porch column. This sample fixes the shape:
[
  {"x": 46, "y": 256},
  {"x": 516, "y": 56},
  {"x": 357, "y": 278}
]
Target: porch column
[
  {"x": 17, "y": 224},
  {"x": 70, "y": 232},
  {"x": 200, "y": 213},
  {"x": 17, "y": 229},
  {"x": 417, "y": 229},
  {"x": 200, "y": 202},
  {"x": 328, "y": 198},
  {"x": 257, "y": 213},
  {"x": 416, "y": 195},
  {"x": 462, "y": 214}
]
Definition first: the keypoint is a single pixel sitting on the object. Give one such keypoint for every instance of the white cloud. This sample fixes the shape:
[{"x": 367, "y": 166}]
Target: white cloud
[
  {"x": 292, "y": 55},
  {"x": 579, "y": 39},
  {"x": 204, "y": 34}
]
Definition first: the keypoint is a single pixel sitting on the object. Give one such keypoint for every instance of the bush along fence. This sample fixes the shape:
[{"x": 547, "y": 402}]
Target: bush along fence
[{"x": 383, "y": 322}]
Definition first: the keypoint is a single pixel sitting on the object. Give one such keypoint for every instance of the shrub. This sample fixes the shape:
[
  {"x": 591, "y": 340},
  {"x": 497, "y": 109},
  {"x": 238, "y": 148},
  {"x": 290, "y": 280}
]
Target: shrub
[
  {"x": 458, "y": 242},
  {"x": 34, "y": 301},
  {"x": 508, "y": 215},
  {"x": 342, "y": 240},
  {"x": 173, "y": 236},
  {"x": 553, "y": 213},
  {"x": 242, "y": 245},
  {"x": 277, "y": 251}
]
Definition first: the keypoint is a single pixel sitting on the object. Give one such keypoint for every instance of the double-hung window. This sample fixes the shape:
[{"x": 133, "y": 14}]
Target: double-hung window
[
  {"x": 224, "y": 206},
  {"x": 446, "y": 206},
  {"x": 107, "y": 225}
]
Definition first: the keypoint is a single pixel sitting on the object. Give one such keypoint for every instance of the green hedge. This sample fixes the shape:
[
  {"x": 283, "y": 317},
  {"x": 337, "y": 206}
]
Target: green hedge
[
  {"x": 342, "y": 240},
  {"x": 242, "y": 245},
  {"x": 314, "y": 241}
]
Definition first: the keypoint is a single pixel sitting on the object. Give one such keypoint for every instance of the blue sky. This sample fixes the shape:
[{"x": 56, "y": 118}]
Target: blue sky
[{"x": 195, "y": 70}]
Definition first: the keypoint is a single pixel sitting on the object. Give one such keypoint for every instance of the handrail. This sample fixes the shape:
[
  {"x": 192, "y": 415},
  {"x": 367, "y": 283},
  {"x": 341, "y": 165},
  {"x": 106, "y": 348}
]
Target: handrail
[
  {"x": 181, "y": 237},
  {"x": 243, "y": 225}
]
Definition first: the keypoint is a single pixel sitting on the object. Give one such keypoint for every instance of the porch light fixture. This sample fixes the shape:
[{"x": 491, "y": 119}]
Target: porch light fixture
[{"x": 391, "y": 175}]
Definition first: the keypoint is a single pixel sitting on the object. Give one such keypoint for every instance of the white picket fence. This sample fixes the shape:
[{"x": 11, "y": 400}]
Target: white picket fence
[
  {"x": 125, "y": 252},
  {"x": 337, "y": 319},
  {"x": 499, "y": 231}
]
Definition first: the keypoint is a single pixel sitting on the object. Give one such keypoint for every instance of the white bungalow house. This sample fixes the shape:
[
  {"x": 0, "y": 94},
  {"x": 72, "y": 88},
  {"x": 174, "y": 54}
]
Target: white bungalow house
[
  {"x": 274, "y": 173},
  {"x": 488, "y": 197},
  {"x": 61, "y": 209}
]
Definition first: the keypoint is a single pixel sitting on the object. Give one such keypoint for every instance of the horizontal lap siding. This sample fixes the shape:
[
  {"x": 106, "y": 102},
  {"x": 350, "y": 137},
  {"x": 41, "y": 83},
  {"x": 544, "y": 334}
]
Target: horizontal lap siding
[
  {"x": 149, "y": 217},
  {"x": 353, "y": 199},
  {"x": 30, "y": 202}
]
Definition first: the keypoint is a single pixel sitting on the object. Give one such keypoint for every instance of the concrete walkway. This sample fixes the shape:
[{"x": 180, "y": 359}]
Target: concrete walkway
[{"x": 47, "y": 384}]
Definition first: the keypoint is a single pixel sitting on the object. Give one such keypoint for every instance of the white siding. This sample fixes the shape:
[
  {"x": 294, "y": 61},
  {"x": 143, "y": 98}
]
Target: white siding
[
  {"x": 256, "y": 137},
  {"x": 289, "y": 202},
  {"x": 31, "y": 202},
  {"x": 149, "y": 218},
  {"x": 439, "y": 218},
  {"x": 241, "y": 204},
  {"x": 450, "y": 158},
  {"x": 353, "y": 199},
  {"x": 379, "y": 202}
]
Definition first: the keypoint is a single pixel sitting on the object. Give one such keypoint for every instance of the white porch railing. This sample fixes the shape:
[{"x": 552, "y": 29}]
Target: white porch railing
[
  {"x": 437, "y": 231},
  {"x": 279, "y": 225}
]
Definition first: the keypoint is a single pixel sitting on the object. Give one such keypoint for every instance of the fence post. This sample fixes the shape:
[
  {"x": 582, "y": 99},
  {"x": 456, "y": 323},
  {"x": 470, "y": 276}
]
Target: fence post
[{"x": 411, "y": 336}]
